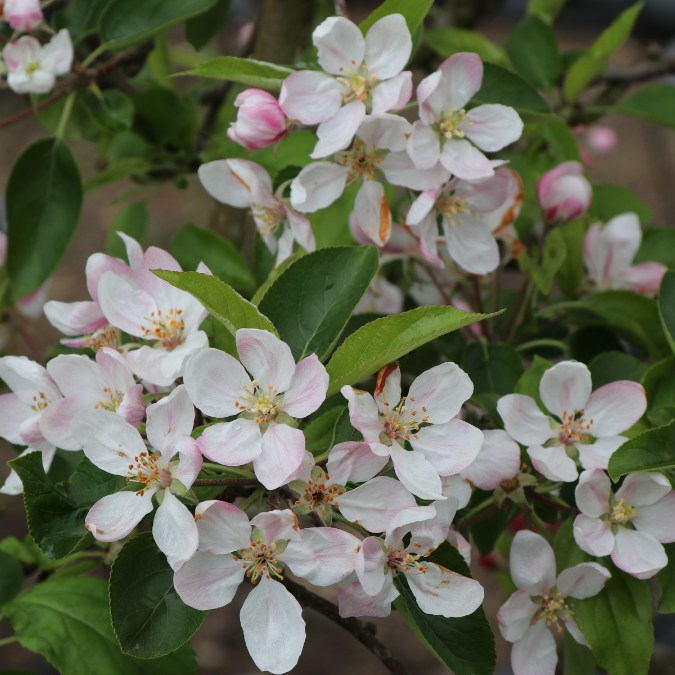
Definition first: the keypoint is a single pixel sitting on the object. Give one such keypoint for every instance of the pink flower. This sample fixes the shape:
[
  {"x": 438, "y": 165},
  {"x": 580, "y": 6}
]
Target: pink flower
[
  {"x": 265, "y": 405},
  {"x": 564, "y": 193},
  {"x": 630, "y": 525},
  {"x": 168, "y": 469},
  {"x": 260, "y": 120},
  {"x": 582, "y": 424},
  {"x": 244, "y": 184},
  {"x": 609, "y": 252},
  {"x": 364, "y": 77},
  {"x": 444, "y": 126},
  {"x": 441, "y": 445},
  {"x": 539, "y": 605},
  {"x": 23, "y": 15}
]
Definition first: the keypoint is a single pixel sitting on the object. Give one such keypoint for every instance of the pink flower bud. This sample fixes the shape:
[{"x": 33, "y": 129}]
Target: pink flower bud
[
  {"x": 23, "y": 15},
  {"x": 601, "y": 140},
  {"x": 260, "y": 120},
  {"x": 564, "y": 193}
]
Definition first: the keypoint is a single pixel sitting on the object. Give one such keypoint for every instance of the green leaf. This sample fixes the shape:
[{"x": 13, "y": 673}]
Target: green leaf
[
  {"x": 666, "y": 581},
  {"x": 613, "y": 200},
  {"x": 44, "y": 199},
  {"x": 612, "y": 366},
  {"x": 659, "y": 383},
  {"x": 125, "y": 22},
  {"x": 577, "y": 659},
  {"x": 593, "y": 62},
  {"x": 328, "y": 429},
  {"x": 492, "y": 368},
  {"x": 311, "y": 302},
  {"x": 67, "y": 621},
  {"x": 202, "y": 28},
  {"x": 125, "y": 167},
  {"x": 413, "y": 11},
  {"x": 528, "y": 384},
  {"x": 655, "y": 104},
  {"x": 273, "y": 276},
  {"x": 81, "y": 18},
  {"x": 149, "y": 619},
  {"x": 572, "y": 273},
  {"x": 546, "y": 10},
  {"x": 448, "y": 41},
  {"x": 11, "y": 576},
  {"x": 244, "y": 71},
  {"x": 192, "y": 245},
  {"x": 658, "y": 245},
  {"x": 88, "y": 484},
  {"x": 653, "y": 450},
  {"x": 561, "y": 142},
  {"x": 553, "y": 256},
  {"x": 163, "y": 117},
  {"x": 667, "y": 307},
  {"x": 465, "y": 645},
  {"x": 533, "y": 49},
  {"x": 384, "y": 340},
  {"x": 131, "y": 220},
  {"x": 221, "y": 300}
]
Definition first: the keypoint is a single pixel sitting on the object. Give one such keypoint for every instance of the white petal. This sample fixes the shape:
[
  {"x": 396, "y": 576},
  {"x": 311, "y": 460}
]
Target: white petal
[
  {"x": 354, "y": 601},
  {"x": 310, "y": 97},
  {"x": 222, "y": 527},
  {"x": 388, "y": 46},
  {"x": 266, "y": 357},
  {"x": 169, "y": 420},
  {"x": 340, "y": 45},
  {"x": 208, "y": 581},
  {"x": 493, "y": 127},
  {"x": 236, "y": 182},
  {"x": 638, "y": 553},
  {"x": 174, "y": 530},
  {"x": 472, "y": 246},
  {"x": 370, "y": 565},
  {"x": 597, "y": 455},
  {"x": 276, "y": 525},
  {"x": 307, "y": 390},
  {"x": 658, "y": 519},
  {"x": 114, "y": 516},
  {"x": 643, "y": 489},
  {"x": 515, "y": 615},
  {"x": 498, "y": 460},
  {"x": 465, "y": 160},
  {"x": 283, "y": 449},
  {"x": 593, "y": 535},
  {"x": 372, "y": 212},
  {"x": 593, "y": 492},
  {"x": 566, "y": 387},
  {"x": 338, "y": 132},
  {"x": 523, "y": 420},
  {"x": 318, "y": 185},
  {"x": 364, "y": 413},
  {"x": 442, "y": 592},
  {"x": 416, "y": 473},
  {"x": 462, "y": 77},
  {"x": 553, "y": 462},
  {"x": 424, "y": 146},
  {"x": 440, "y": 392},
  {"x": 392, "y": 94},
  {"x": 231, "y": 443},
  {"x": 449, "y": 447},
  {"x": 532, "y": 563},
  {"x": 535, "y": 653},
  {"x": 353, "y": 461},
  {"x": 616, "y": 407},
  {"x": 582, "y": 581}
]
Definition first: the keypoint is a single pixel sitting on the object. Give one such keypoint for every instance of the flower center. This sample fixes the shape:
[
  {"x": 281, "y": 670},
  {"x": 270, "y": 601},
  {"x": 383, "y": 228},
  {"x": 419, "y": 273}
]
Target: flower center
[
  {"x": 452, "y": 206},
  {"x": 33, "y": 68},
  {"x": 268, "y": 218},
  {"x": 317, "y": 494},
  {"x": 40, "y": 402},
  {"x": 451, "y": 123},
  {"x": 573, "y": 427},
  {"x": 106, "y": 336},
  {"x": 262, "y": 403},
  {"x": 621, "y": 513},
  {"x": 358, "y": 84},
  {"x": 146, "y": 470},
  {"x": 554, "y": 611},
  {"x": 167, "y": 327},
  {"x": 402, "y": 422},
  {"x": 112, "y": 400},
  {"x": 401, "y": 560},
  {"x": 260, "y": 559},
  {"x": 359, "y": 162}
]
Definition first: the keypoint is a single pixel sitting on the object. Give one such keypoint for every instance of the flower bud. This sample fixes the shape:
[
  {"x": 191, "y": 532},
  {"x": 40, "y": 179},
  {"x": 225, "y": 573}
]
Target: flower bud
[
  {"x": 23, "y": 15},
  {"x": 260, "y": 120},
  {"x": 564, "y": 193}
]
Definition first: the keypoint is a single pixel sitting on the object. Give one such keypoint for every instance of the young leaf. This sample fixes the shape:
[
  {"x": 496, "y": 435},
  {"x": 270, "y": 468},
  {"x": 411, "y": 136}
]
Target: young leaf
[
  {"x": 655, "y": 104},
  {"x": 44, "y": 199},
  {"x": 244, "y": 71},
  {"x": 311, "y": 302},
  {"x": 414, "y": 12},
  {"x": 546, "y": 10},
  {"x": 667, "y": 307},
  {"x": 572, "y": 272},
  {"x": 222, "y": 301},
  {"x": 149, "y": 619},
  {"x": 132, "y": 220},
  {"x": 653, "y": 450},
  {"x": 612, "y": 200},
  {"x": 448, "y": 41},
  {"x": 384, "y": 340},
  {"x": 533, "y": 48},
  {"x": 552, "y": 259}
]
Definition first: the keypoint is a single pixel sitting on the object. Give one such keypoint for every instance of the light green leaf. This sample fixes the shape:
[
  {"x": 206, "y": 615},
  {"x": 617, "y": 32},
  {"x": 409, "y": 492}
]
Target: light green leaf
[
  {"x": 414, "y": 12},
  {"x": 448, "y": 41},
  {"x": 327, "y": 430},
  {"x": 653, "y": 450},
  {"x": 655, "y": 104},
  {"x": 533, "y": 49},
  {"x": 244, "y": 71},
  {"x": 613, "y": 200},
  {"x": 667, "y": 307},
  {"x": 119, "y": 169},
  {"x": 546, "y": 10},
  {"x": 543, "y": 273}
]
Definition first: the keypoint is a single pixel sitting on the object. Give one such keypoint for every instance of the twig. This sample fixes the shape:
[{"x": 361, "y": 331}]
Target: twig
[
  {"x": 363, "y": 632},
  {"x": 226, "y": 482},
  {"x": 640, "y": 72}
]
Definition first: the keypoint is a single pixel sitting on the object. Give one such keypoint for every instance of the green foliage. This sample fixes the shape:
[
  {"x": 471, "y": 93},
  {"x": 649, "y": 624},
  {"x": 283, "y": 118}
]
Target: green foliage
[
  {"x": 612, "y": 366},
  {"x": 653, "y": 450},
  {"x": 655, "y": 104},
  {"x": 552, "y": 258},
  {"x": 666, "y": 581},
  {"x": 414, "y": 12},
  {"x": 658, "y": 245},
  {"x": 546, "y": 10},
  {"x": 613, "y": 200},
  {"x": 131, "y": 220},
  {"x": 448, "y": 41},
  {"x": 528, "y": 384},
  {"x": 202, "y": 28},
  {"x": 384, "y": 340},
  {"x": 577, "y": 659},
  {"x": 667, "y": 307},
  {"x": 659, "y": 383},
  {"x": 572, "y": 272},
  {"x": 44, "y": 199},
  {"x": 164, "y": 118},
  {"x": 533, "y": 36},
  {"x": 11, "y": 576},
  {"x": 81, "y": 17},
  {"x": 311, "y": 302},
  {"x": 327, "y": 430},
  {"x": 244, "y": 71}
]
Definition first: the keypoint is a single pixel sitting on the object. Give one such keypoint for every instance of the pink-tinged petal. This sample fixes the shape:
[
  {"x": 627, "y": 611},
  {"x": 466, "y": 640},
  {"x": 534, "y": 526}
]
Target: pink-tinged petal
[
  {"x": 125, "y": 306},
  {"x": 489, "y": 194},
  {"x": 100, "y": 263},
  {"x": 274, "y": 630},
  {"x": 364, "y": 413},
  {"x": 277, "y": 525},
  {"x": 427, "y": 231},
  {"x": 523, "y": 420},
  {"x": 266, "y": 357},
  {"x": 174, "y": 530},
  {"x": 301, "y": 229},
  {"x": 623, "y": 235},
  {"x": 78, "y": 375},
  {"x": 462, "y": 78},
  {"x": 595, "y": 255},
  {"x": 424, "y": 146},
  {"x": 372, "y": 213},
  {"x": 392, "y": 94},
  {"x": 593, "y": 535},
  {"x": 457, "y": 489},
  {"x": 236, "y": 182},
  {"x": 222, "y": 527},
  {"x": 324, "y": 556},
  {"x": 472, "y": 245},
  {"x": 31, "y": 434},
  {"x": 354, "y": 601},
  {"x": 13, "y": 485},
  {"x": 307, "y": 390},
  {"x": 171, "y": 418},
  {"x": 428, "y": 535},
  {"x": 658, "y": 519},
  {"x": 596, "y": 455},
  {"x": 554, "y": 463},
  {"x": 370, "y": 565},
  {"x": 465, "y": 160},
  {"x": 107, "y": 440},
  {"x": 388, "y": 46},
  {"x": 431, "y": 94},
  {"x": 532, "y": 563},
  {"x": 55, "y": 422},
  {"x": 615, "y": 407},
  {"x": 566, "y": 387},
  {"x": 515, "y": 615},
  {"x": 57, "y": 54},
  {"x": 132, "y": 408},
  {"x": 14, "y": 413},
  {"x": 208, "y": 581},
  {"x": 493, "y": 127},
  {"x": 442, "y": 592},
  {"x": 498, "y": 460},
  {"x": 190, "y": 461},
  {"x": 449, "y": 447},
  {"x": 643, "y": 278},
  {"x": 388, "y": 389},
  {"x": 28, "y": 379},
  {"x": 582, "y": 581},
  {"x": 439, "y": 393},
  {"x": 74, "y": 318},
  {"x": 574, "y": 630},
  {"x": 644, "y": 489},
  {"x": 338, "y": 132},
  {"x": 114, "y": 516},
  {"x": 399, "y": 169},
  {"x": 283, "y": 450},
  {"x": 593, "y": 492},
  {"x": 310, "y": 97},
  {"x": 318, "y": 185},
  {"x": 535, "y": 653},
  {"x": 353, "y": 461},
  {"x": 231, "y": 443},
  {"x": 421, "y": 207},
  {"x": 340, "y": 45},
  {"x": 638, "y": 553},
  {"x": 417, "y": 473}
]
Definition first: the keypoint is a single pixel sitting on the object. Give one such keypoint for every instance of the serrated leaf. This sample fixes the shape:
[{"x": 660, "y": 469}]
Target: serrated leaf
[
  {"x": 244, "y": 71},
  {"x": 653, "y": 450},
  {"x": 414, "y": 12}
]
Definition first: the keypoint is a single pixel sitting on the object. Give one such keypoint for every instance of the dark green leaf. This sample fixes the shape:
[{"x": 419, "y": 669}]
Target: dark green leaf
[
  {"x": 653, "y": 450},
  {"x": 244, "y": 71},
  {"x": 561, "y": 142},
  {"x": 577, "y": 659},
  {"x": 492, "y": 368},
  {"x": 528, "y": 384},
  {"x": 448, "y": 41},
  {"x": 612, "y": 366},
  {"x": 88, "y": 484},
  {"x": 200, "y": 29},
  {"x": 82, "y": 17},
  {"x": 667, "y": 307},
  {"x": 659, "y": 383},
  {"x": 11, "y": 576},
  {"x": 553, "y": 256},
  {"x": 163, "y": 117},
  {"x": 658, "y": 245},
  {"x": 311, "y": 302},
  {"x": 547, "y": 10},
  {"x": 414, "y": 12},
  {"x": 328, "y": 429},
  {"x": 44, "y": 199},
  {"x": 131, "y": 220},
  {"x": 503, "y": 86},
  {"x": 571, "y": 274},
  {"x": 666, "y": 581},
  {"x": 655, "y": 104},
  {"x": 613, "y": 200},
  {"x": 533, "y": 49}
]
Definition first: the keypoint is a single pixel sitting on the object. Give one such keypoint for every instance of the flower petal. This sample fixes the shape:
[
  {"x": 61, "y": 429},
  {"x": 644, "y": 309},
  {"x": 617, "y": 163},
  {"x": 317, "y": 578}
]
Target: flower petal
[
  {"x": 416, "y": 473},
  {"x": 354, "y": 601},
  {"x": 266, "y": 357},
  {"x": 370, "y": 565},
  {"x": 523, "y": 420},
  {"x": 174, "y": 530},
  {"x": 170, "y": 419},
  {"x": 440, "y": 392},
  {"x": 644, "y": 489},
  {"x": 593, "y": 535},
  {"x": 283, "y": 450},
  {"x": 498, "y": 460},
  {"x": 615, "y": 407},
  {"x": 658, "y": 519},
  {"x": 515, "y": 615},
  {"x": 338, "y": 132},
  {"x": 472, "y": 245},
  {"x": 307, "y": 390},
  {"x": 222, "y": 527},
  {"x": 493, "y": 127},
  {"x": 424, "y": 146},
  {"x": 554, "y": 463},
  {"x": 114, "y": 516},
  {"x": 593, "y": 492},
  {"x": 449, "y": 447},
  {"x": 582, "y": 581},
  {"x": 310, "y": 97},
  {"x": 465, "y": 161},
  {"x": 566, "y": 387},
  {"x": 353, "y": 461},
  {"x": 318, "y": 185},
  {"x": 638, "y": 553},
  {"x": 535, "y": 653},
  {"x": 372, "y": 213},
  {"x": 532, "y": 563},
  {"x": 231, "y": 443},
  {"x": 597, "y": 455},
  {"x": 364, "y": 413},
  {"x": 237, "y": 182},
  {"x": 392, "y": 94},
  {"x": 442, "y": 592},
  {"x": 388, "y": 46},
  {"x": 340, "y": 45}
]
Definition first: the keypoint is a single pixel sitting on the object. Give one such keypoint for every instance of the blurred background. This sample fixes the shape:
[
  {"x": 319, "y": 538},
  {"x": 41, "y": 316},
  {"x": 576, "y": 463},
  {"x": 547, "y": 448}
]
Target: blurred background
[{"x": 630, "y": 153}]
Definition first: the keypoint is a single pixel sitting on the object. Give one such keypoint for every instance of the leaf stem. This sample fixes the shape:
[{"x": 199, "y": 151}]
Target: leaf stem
[
  {"x": 65, "y": 116},
  {"x": 8, "y": 640},
  {"x": 544, "y": 342}
]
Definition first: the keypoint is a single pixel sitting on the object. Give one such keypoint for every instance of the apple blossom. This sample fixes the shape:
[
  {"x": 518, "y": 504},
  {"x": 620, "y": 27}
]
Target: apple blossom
[
  {"x": 580, "y": 424},
  {"x": 564, "y": 193},
  {"x": 260, "y": 120},
  {"x": 33, "y": 68},
  {"x": 23, "y": 15},
  {"x": 265, "y": 405},
  {"x": 441, "y": 445},
  {"x": 539, "y": 606},
  {"x": 630, "y": 525},
  {"x": 609, "y": 252},
  {"x": 363, "y": 75},
  {"x": 245, "y": 184},
  {"x": 498, "y": 460},
  {"x": 443, "y": 132}
]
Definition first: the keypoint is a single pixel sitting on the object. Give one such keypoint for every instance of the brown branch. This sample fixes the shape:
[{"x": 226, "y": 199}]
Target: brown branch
[
  {"x": 363, "y": 632},
  {"x": 226, "y": 482},
  {"x": 30, "y": 112},
  {"x": 640, "y": 72}
]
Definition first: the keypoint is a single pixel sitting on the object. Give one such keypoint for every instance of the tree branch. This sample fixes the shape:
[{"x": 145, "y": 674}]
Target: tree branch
[
  {"x": 641, "y": 72},
  {"x": 225, "y": 482}
]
